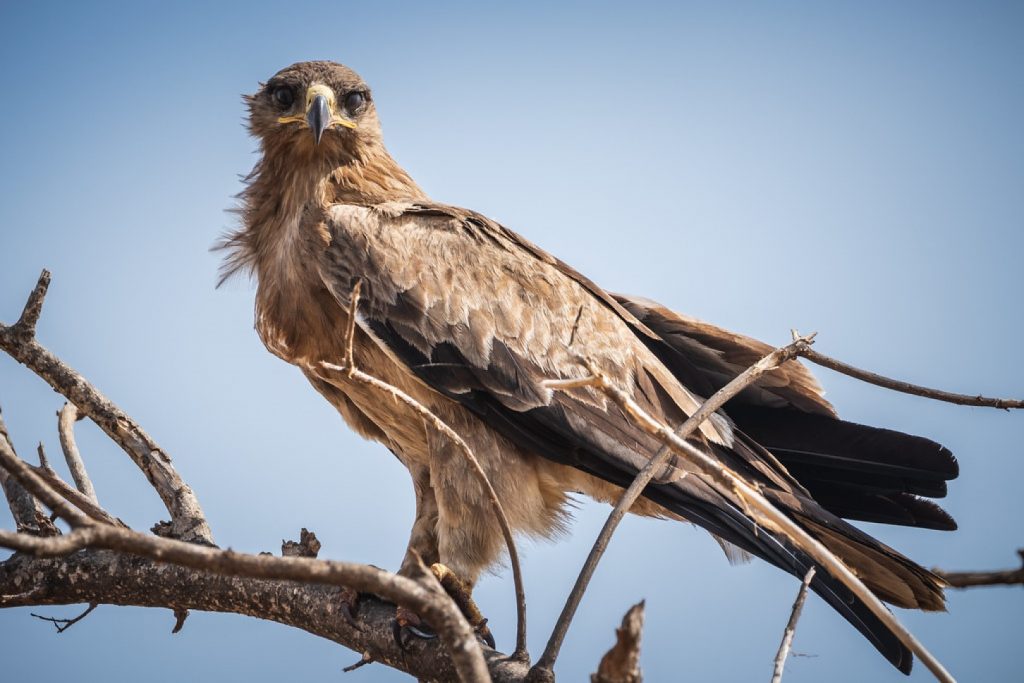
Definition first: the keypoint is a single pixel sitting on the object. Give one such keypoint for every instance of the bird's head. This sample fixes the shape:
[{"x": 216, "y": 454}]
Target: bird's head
[{"x": 314, "y": 109}]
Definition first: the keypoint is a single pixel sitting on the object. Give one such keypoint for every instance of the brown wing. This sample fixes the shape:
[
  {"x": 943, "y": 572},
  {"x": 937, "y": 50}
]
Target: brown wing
[{"x": 483, "y": 317}]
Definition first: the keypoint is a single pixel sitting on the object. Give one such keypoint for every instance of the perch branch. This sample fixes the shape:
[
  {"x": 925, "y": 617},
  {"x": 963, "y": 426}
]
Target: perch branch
[
  {"x": 18, "y": 340},
  {"x": 350, "y": 371},
  {"x": 787, "y": 635},
  {"x": 115, "y": 578},
  {"x": 428, "y": 599},
  {"x": 66, "y": 418}
]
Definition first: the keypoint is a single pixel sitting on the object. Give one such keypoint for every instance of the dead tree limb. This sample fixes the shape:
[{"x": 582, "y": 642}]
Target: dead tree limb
[
  {"x": 426, "y": 598},
  {"x": 18, "y": 340},
  {"x": 66, "y": 418},
  {"x": 906, "y": 387}
]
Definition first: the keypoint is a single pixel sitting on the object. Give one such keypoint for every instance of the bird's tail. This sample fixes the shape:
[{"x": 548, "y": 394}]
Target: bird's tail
[{"x": 891, "y": 576}]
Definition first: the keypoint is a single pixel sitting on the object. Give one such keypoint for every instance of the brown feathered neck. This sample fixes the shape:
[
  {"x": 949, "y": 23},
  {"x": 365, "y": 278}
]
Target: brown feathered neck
[{"x": 294, "y": 182}]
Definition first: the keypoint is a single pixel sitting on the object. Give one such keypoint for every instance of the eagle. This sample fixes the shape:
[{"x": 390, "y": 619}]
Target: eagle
[{"x": 471, "y": 320}]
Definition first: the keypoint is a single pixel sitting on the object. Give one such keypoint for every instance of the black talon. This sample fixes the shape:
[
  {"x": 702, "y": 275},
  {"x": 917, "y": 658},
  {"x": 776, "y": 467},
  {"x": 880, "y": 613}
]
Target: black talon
[
  {"x": 484, "y": 634},
  {"x": 420, "y": 633}
]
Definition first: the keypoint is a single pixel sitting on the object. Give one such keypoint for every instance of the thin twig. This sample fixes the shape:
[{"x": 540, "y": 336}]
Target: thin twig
[
  {"x": 906, "y": 387},
  {"x": 44, "y": 462},
  {"x": 352, "y": 372},
  {"x": 19, "y": 342},
  {"x": 66, "y": 418},
  {"x": 643, "y": 478},
  {"x": 1008, "y": 577},
  {"x": 363, "y": 661},
  {"x": 64, "y": 624},
  {"x": 770, "y": 517},
  {"x": 787, "y": 635}
]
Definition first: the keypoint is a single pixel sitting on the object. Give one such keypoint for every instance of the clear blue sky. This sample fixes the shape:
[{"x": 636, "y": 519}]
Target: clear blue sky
[{"x": 851, "y": 168}]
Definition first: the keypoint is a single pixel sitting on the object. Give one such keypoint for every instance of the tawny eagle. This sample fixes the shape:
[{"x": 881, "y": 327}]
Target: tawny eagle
[{"x": 470, "y": 319}]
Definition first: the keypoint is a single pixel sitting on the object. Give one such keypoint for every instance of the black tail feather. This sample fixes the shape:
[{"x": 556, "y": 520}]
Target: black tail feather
[{"x": 856, "y": 471}]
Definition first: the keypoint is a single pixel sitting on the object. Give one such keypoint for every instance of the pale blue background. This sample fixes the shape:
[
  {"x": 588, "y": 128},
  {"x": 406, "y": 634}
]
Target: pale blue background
[{"x": 855, "y": 169}]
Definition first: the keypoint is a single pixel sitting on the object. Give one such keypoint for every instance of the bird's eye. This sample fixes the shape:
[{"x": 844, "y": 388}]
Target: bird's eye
[
  {"x": 354, "y": 101},
  {"x": 284, "y": 96}
]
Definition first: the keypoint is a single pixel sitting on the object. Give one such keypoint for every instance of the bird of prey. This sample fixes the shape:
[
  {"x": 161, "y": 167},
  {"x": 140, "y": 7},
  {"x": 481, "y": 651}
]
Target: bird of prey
[{"x": 470, "y": 319}]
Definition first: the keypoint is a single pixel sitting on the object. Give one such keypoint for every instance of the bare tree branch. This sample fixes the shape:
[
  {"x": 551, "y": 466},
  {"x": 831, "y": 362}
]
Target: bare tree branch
[
  {"x": 62, "y": 624},
  {"x": 787, "y": 635},
  {"x": 115, "y": 578},
  {"x": 426, "y": 597},
  {"x": 906, "y": 387},
  {"x": 74, "y": 497},
  {"x": 1007, "y": 577},
  {"x": 19, "y": 341},
  {"x": 621, "y": 664},
  {"x": 25, "y": 329},
  {"x": 66, "y": 418}
]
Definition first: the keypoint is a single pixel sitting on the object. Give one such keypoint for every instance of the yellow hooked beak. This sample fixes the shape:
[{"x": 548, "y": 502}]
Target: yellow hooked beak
[{"x": 320, "y": 114}]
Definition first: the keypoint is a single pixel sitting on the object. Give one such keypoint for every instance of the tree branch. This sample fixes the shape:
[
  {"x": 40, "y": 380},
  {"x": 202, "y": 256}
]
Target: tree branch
[
  {"x": 66, "y": 418},
  {"x": 63, "y": 624},
  {"x": 906, "y": 387},
  {"x": 426, "y": 597},
  {"x": 1008, "y": 577},
  {"x": 19, "y": 342},
  {"x": 787, "y": 635},
  {"x": 115, "y": 578}
]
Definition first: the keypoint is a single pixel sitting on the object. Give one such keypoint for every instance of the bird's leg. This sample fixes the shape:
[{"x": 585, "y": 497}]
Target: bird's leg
[{"x": 423, "y": 547}]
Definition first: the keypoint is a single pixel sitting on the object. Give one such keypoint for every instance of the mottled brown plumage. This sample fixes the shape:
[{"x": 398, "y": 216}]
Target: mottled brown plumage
[{"x": 469, "y": 318}]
